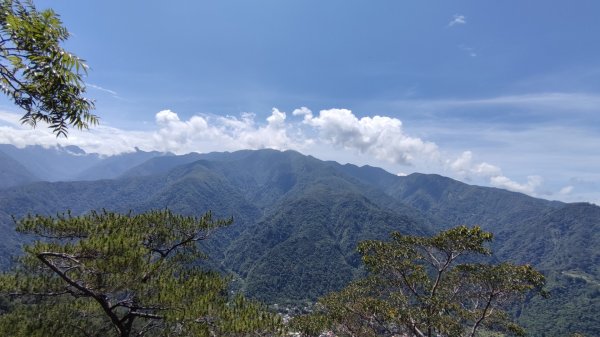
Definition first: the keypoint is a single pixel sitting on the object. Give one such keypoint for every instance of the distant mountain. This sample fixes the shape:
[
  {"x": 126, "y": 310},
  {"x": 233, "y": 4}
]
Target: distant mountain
[
  {"x": 53, "y": 163},
  {"x": 115, "y": 166},
  {"x": 298, "y": 220},
  {"x": 70, "y": 163},
  {"x": 160, "y": 165},
  {"x": 12, "y": 173}
]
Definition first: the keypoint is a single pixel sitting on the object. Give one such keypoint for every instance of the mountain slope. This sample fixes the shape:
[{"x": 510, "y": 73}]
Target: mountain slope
[
  {"x": 12, "y": 173},
  {"x": 563, "y": 244},
  {"x": 298, "y": 220},
  {"x": 160, "y": 165},
  {"x": 54, "y": 163},
  {"x": 70, "y": 163},
  {"x": 257, "y": 188},
  {"x": 114, "y": 166}
]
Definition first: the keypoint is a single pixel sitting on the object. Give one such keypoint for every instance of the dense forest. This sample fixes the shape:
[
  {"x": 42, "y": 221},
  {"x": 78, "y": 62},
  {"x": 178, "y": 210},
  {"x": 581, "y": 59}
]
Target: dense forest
[{"x": 297, "y": 222}]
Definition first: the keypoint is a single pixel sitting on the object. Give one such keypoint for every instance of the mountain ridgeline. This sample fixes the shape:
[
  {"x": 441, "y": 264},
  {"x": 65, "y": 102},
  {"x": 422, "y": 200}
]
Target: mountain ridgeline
[{"x": 297, "y": 220}]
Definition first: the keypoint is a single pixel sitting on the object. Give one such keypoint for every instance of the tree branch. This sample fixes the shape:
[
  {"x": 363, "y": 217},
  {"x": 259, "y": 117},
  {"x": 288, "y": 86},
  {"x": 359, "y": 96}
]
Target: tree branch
[
  {"x": 101, "y": 299},
  {"x": 483, "y": 315}
]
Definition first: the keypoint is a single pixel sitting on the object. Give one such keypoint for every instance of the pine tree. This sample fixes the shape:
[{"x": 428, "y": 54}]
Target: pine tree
[{"x": 108, "y": 274}]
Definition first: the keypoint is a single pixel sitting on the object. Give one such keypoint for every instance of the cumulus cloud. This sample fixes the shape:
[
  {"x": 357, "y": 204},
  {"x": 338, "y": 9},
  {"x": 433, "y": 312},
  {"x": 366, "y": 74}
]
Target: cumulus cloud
[
  {"x": 457, "y": 19},
  {"x": 374, "y": 140},
  {"x": 197, "y": 134},
  {"x": 219, "y": 133},
  {"x": 566, "y": 190},
  {"x": 464, "y": 167},
  {"x": 303, "y": 111},
  {"x": 379, "y": 136},
  {"x": 530, "y": 187}
]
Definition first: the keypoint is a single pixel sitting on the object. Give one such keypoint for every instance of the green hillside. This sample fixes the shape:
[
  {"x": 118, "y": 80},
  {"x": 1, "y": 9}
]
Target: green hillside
[{"x": 297, "y": 221}]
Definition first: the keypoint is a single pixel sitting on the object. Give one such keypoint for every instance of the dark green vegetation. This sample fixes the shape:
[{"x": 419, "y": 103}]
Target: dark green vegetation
[
  {"x": 418, "y": 286},
  {"x": 36, "y": 73},
  {"x": 297, "y": 221},
  {"x": 106, "y": 274}
]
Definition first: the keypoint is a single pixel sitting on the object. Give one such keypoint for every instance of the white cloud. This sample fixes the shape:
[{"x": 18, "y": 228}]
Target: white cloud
[
  {"x": 277, "y": 118},
  {"x": 303, "y": 111},
  {"x": 549, "y": 101},
  {"x": 566, "y": 190},
  {"x": 530, "y": 187},
  {"x": 197, "y": 134},
  {"x": 379, "y": 136},
  {"x": 9, "y": 118},
  {"x": 375, "y": 140},
  {"x": 487, "y": 170},
  {"x": 97, "y": 87},
  {"x": 113, "y": 93},
  {"x": 203, "y": 133},
  {"x": 464, "y": 167},
  {"x": 457, "y": 19},
  {"x": 462, "y": 164}
]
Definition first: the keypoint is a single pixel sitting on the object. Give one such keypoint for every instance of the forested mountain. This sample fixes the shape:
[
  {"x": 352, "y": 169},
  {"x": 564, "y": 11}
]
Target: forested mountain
[{"x": 297, "y": 221}]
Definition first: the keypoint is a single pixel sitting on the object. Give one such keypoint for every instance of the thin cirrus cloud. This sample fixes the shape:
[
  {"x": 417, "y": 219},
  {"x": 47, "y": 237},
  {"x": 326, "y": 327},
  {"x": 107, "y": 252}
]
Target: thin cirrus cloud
[
  {"x": 97, "y": 87},
  {"x": 376, "y": 139},
  {"x": 113, "y": 93},
  {"x": 552, "y": 101},
  {"x": 468, "y": 50}
]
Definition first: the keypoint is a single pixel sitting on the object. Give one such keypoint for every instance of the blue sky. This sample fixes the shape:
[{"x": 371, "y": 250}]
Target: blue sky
[{"x": 503, "y": 93}]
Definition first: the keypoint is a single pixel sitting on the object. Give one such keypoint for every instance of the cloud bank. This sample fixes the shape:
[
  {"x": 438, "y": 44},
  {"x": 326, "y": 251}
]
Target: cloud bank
[{"x": 378, "y": 140}]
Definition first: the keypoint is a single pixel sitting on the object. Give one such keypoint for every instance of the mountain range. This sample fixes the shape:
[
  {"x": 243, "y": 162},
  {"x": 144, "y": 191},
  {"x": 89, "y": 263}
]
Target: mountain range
[{"x": 297, "y": 219}]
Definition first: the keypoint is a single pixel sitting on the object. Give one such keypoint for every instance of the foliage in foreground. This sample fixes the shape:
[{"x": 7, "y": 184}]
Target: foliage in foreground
[
  {"x": 107, "y": 274},
  {"x": 36, "y": 73},
  {"x": 417, "y": 286}
]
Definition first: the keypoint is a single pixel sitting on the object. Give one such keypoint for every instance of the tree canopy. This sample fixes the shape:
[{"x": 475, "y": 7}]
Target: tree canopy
[
  {"x": 108, "y": 274},
  {"x": 36, "y": 73},
  {"x": 416, "y": 285}
]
